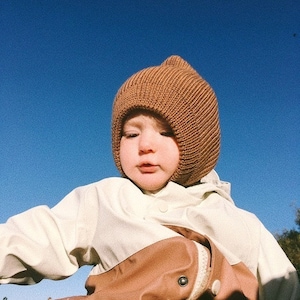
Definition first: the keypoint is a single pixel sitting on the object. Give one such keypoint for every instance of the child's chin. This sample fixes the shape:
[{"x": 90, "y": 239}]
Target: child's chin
[{"x": 152, "y": 188}]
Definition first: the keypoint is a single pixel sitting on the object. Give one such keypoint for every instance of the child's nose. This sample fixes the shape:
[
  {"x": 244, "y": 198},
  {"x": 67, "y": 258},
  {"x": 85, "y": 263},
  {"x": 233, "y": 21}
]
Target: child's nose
[{"x": 147, "y": 144}]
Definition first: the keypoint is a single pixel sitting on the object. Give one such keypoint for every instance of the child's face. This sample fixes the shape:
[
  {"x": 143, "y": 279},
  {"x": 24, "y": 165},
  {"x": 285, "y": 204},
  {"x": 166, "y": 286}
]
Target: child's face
[{"x": 149, "y": 153}]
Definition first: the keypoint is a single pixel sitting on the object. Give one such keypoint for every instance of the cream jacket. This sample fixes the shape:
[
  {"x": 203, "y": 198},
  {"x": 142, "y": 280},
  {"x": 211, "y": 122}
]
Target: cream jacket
[{"x": 104, "y": 223}]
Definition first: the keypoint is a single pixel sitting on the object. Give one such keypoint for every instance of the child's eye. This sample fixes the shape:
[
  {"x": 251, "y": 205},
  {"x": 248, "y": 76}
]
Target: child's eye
[
  {"x": 129, "y": 135},
  {"x": 167, "y": 133}
]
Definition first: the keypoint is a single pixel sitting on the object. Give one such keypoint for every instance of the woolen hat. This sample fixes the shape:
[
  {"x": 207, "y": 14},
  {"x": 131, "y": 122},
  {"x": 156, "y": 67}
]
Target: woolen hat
[{"x": 176, "y": 92}]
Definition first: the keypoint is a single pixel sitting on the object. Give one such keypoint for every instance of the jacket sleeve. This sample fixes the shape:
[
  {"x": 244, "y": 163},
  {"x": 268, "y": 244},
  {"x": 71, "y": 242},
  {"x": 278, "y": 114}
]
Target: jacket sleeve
[
  {"x": 278, "y": 277},
  {"x": 45, "y": 243},
  {"x": 184, "y": 267},
  {"x": 32, "y": 248}
]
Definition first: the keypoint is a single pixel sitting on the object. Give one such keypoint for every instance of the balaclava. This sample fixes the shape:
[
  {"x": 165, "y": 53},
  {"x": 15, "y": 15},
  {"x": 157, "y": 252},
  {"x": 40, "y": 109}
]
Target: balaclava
[{"x": 175, "y": 91}]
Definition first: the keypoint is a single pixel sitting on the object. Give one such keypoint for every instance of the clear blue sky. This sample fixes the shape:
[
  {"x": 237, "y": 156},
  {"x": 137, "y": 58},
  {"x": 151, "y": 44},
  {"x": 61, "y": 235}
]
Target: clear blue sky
[{"x": 61, "y": 63}]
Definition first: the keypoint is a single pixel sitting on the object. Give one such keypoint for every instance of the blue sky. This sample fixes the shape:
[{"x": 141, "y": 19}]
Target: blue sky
[{"x": 61, "y": 63}]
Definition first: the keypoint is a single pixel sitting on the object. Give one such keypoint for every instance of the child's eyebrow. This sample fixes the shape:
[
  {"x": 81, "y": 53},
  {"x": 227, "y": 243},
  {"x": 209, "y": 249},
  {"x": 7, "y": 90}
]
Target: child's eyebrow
[
  {"x": 132, "y": 122},
  {"x": 159, "y": 124}
]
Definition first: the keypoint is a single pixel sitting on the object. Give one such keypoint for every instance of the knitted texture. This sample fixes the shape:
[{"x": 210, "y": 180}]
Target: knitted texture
[{"x": 175, "y": 91}]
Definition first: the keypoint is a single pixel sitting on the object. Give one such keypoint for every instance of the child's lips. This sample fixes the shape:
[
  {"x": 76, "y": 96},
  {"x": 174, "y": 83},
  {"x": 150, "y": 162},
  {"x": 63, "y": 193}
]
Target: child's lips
[{"x": 147, "y": 168}]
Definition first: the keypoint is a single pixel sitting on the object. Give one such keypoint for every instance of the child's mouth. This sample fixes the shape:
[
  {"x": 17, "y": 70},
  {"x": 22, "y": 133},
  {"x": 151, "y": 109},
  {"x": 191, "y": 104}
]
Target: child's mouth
[{"x": 147, "y": 168}]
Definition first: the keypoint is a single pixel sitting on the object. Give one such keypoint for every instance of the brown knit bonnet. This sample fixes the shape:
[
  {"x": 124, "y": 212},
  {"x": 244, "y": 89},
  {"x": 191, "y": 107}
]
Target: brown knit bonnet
[{"x": 175, "y": 91}]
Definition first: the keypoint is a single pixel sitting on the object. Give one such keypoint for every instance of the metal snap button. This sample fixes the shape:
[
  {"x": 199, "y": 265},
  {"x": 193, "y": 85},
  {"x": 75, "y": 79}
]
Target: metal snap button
[{"x": 183, "y": 281}]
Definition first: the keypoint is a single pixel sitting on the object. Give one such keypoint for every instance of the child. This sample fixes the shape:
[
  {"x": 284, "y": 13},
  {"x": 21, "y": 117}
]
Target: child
[{"x": 168, "y": 229}]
